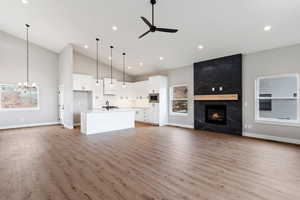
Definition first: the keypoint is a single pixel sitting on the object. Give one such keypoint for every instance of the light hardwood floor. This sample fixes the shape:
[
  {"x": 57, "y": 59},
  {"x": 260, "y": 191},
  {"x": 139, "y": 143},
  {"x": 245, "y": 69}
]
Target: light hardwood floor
[{"x": 146, "y": 163}]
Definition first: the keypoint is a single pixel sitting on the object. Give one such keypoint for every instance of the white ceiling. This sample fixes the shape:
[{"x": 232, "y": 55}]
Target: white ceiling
[{"x": 223, "y": 27}]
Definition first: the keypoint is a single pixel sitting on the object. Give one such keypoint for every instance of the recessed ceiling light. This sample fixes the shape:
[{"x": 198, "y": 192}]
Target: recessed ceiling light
[
  {"x": 109, "y": 58},
  {"x": 161, "y": 58},
  {"x": 114, "y": 28},
  {"x": 86, "y": 46},
  {"x": 141, "y": 64},
  {"x": 25, "y": 1},
  {"x": 267, "y": 28},
  {"x": 200, "y": 47},
  {"x": 129, "y": 67}
]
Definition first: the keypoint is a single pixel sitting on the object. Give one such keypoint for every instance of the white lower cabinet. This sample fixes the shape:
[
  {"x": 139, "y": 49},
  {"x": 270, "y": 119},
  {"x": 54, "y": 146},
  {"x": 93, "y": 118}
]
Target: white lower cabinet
[
  {"x": 139, "y": 115},
  {"x": 148, "y": 115},
  {"x": 142, "y": 115}
]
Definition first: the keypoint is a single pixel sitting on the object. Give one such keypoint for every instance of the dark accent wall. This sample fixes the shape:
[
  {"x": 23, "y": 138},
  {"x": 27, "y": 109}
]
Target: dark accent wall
[{"x": 223, "y": 72}]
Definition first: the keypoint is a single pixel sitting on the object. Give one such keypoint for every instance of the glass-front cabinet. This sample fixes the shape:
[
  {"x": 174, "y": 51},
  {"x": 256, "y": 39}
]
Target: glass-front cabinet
[{"x": 277, "y": 99}]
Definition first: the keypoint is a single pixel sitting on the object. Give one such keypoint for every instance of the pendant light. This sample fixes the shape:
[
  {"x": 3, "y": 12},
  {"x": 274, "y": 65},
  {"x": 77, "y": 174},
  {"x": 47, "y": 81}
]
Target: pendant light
[
  {"x": 97, "y": 44},
  {"x": 124, "y": 85},
  {"x": 111, "y": 68},
  {"x": 26, "y": 85}
]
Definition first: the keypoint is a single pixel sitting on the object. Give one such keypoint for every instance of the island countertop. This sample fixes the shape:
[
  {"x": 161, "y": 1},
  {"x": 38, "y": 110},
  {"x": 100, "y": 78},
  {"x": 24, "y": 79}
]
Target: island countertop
[{"x": 110, "y": 111}]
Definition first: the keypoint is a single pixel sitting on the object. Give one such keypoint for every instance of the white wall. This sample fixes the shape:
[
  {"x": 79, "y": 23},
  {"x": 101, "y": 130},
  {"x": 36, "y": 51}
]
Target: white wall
[
  {"x": 66, "y": 65},
  {"x": 183, "y": 76},
  {"x": 284, "y": 60},
  {"x": 43, "y": 70},
  {"x": 87, "y": 65}
]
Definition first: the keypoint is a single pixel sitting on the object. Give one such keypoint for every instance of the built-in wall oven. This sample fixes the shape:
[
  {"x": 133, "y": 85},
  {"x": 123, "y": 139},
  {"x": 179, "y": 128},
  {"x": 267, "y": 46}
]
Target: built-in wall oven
[{"x": 154, "y": 98}]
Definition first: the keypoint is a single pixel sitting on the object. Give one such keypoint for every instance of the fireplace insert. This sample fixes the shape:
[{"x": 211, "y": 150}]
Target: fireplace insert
[{"x": 216, "y": 114}]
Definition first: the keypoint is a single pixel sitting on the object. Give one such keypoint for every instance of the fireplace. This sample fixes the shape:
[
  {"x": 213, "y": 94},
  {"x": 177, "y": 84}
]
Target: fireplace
[
  {"x": 216, "y": 114},
  {"x": 218, "y": 95}
]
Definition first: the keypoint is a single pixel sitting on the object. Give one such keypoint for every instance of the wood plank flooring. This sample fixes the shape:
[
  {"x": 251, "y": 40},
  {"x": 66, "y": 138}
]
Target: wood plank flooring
[{"x": 146, "y": 163}]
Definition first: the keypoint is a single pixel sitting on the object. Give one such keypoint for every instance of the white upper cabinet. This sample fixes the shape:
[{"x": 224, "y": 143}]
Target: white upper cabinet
[
  {"x": 82, "y": 82},
  {"x": 140, "y": 90},
  {"x": 97, "y": 94},
  {"x": 156, "y": 83},
  {"x": 110, "y": 89}
]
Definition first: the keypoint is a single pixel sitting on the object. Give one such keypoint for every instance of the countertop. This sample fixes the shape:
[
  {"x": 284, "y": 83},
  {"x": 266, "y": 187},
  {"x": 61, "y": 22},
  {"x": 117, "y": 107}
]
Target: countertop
[{"x": 112, "y": 110}]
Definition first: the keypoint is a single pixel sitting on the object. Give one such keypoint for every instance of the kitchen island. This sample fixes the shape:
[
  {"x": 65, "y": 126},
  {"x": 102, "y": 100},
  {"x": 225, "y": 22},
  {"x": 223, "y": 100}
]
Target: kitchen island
[{"x": 100, "y": 121}]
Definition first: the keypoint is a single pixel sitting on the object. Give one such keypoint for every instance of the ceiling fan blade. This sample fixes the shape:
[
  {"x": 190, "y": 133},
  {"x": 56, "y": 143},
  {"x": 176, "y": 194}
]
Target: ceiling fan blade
[
  {"x": 144, "y": 34},
  {"x": 146, "y": 21},
  {"x": 167, "y": 30}
]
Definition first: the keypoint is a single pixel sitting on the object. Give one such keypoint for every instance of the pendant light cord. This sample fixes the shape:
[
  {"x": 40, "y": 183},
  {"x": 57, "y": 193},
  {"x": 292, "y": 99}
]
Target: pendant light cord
[
  {"x": 124, "y": 54},
  {"x": 111, "y": 70},
  {"x": 97, "y": 39},
  {"x": 27, "y": 53}
]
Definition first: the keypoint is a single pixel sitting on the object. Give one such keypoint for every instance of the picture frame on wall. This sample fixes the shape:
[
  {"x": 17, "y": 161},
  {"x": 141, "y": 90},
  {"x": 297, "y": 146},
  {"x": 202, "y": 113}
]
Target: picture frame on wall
[{"x": 179, "y": 100}]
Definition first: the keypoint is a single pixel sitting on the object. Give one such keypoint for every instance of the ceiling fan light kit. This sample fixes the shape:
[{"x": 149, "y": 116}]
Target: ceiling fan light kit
[{"x": 152, "y": 27}]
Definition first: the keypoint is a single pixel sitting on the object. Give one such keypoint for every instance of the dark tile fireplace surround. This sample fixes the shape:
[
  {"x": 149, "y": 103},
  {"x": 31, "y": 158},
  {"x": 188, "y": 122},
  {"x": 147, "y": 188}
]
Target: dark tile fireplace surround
[{"x": 213, "y": 78}]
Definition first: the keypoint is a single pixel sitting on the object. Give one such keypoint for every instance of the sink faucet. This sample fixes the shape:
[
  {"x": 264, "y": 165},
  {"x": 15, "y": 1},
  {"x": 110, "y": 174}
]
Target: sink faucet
[{"x": 107, "y": 104}]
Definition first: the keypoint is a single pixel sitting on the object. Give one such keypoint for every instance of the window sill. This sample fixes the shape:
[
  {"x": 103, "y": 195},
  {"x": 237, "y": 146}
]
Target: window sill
[
  {"x": 278, "y": 122},
  {"x": 18, "y": 109},
  {"x": 179, "y": 114}
]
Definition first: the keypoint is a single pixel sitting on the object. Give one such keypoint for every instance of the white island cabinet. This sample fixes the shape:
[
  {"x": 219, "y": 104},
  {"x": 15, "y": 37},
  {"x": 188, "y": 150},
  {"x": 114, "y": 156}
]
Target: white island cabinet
[{"x": 99, "y": 121}]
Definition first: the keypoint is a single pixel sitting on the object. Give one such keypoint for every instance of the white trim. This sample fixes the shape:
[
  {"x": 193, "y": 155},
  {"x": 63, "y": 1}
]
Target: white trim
[
  {"x": 270, "y": 137},
  {"x": 278, "y": 122},
  {"x": 273, "y": 121},
  {"x": 76, "y": 124},
  {"x": 68, "y": 127},
  {"x": 179, "y": 114},
  {"x": 181, "y": 125},
  {"x": 29, "y": 125}
]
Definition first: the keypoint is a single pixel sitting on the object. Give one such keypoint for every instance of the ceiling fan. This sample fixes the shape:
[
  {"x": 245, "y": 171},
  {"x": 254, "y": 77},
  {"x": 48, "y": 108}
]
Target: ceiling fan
[{"x": 152, "y": 27}]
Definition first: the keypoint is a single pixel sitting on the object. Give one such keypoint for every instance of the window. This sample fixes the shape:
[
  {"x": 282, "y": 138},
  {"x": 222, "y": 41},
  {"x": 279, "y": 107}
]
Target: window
[
  {"x": 277, "y": 99},
  {"x": 179, "y": 100},
  {"x": 14, "y": 98}
]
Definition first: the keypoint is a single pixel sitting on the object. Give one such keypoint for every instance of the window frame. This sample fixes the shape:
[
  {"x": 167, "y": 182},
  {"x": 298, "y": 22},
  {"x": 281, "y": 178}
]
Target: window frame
[
  {"x": 274, "y": 121},
  {"x": 183, "y": 99},
  {"x": 22, "y": 109}
]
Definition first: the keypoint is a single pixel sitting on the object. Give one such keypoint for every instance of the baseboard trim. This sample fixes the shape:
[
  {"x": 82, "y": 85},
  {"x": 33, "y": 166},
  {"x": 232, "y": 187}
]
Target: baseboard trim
[
  {"x": 270, "y": 137},
  {"x": 181, "y": 125},
  {"x": 68, "y": 127},
  {"x": 28, "y": 125}
]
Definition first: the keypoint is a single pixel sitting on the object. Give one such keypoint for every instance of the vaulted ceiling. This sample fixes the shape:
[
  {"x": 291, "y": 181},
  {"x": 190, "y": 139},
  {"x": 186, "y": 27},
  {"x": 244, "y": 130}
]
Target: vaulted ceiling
[{"x": 221, "y": 27}]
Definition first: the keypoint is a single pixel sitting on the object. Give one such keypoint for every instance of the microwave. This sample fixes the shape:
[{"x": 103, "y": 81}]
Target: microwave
[{"x": 154, "y": 98}]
